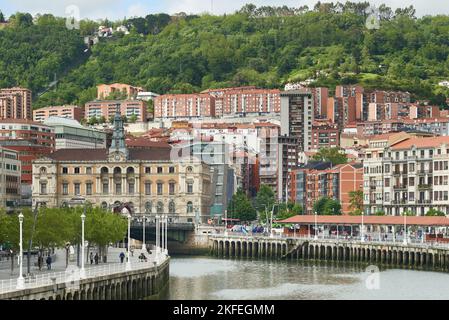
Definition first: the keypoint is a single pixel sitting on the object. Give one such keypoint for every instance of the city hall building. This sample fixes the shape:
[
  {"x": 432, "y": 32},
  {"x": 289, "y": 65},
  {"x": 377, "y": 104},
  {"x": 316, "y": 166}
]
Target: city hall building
[{"x": 146, "y": 179}]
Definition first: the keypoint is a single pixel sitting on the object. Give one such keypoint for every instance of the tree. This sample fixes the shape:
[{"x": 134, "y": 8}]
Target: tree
[
  {"x": 93, "y": 121},
  {"x": 265, "y": 199},
  {"x": 435, "y": 213},
  {"x": 239, "y": 207},
  {"x": 356, "y": 201},
  {"x": 332, "y": 155},
  {"x": 327, "y": 207},
  {"x": 2, "y": 17},
  {"x": 133, "y": 118}
]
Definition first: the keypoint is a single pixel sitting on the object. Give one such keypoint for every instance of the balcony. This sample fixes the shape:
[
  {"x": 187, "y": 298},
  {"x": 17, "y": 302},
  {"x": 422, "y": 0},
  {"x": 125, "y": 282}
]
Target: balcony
[
  {"x": 422, "y": 201},
  {"x": 424, "y": 172},
  {"x": 399, "y": 201},
  {"x": 400, "y": 187},
  {"x": 424, "y": 186}
]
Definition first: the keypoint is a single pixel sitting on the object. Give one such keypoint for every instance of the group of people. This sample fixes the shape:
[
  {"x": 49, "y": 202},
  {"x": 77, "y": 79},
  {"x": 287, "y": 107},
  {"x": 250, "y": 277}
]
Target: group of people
[
  {"x": 93, "y": 258},
  {"x": 142, "y": 257}
]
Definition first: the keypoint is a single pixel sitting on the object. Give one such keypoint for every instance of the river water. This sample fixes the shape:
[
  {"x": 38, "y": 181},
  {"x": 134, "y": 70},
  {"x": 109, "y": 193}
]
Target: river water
[{"x": 204, "y": 278}]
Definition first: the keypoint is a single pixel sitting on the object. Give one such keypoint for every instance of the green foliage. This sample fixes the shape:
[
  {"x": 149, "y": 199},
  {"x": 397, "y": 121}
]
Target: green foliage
[
  {"x": 435, "y": 213},
  {"x": 356, "y": 202},
  {"x": 264, "y": 199},
  {"x": 380, "y": 213},
  {"x": 264, "y": 46},
  {"x": 240, "y": 207},
  {"x": 327, "y": 207},
  {"x": 331, "y": 155}
]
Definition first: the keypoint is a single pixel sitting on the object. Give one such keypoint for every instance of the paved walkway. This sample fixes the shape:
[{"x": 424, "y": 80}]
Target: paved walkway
[{"x": 59, "y": 263}]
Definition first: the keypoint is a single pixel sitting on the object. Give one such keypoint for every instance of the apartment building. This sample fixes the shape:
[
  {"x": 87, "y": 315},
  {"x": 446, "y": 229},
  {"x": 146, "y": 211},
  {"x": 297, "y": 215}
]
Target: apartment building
[
  {"x": 341, "y": 110},
  {"x": 297, "y": 116},
  {"x": 410, "y": 175},
  {"x": 106, "y": 108},
  {"x": 320, "y": 179},
  {"x": 68, "y": 112},
  {"x": 31, "y": 139},
  {"x": 184, "y": 106},
  {"x": 325, "y": 135},
  {"x": 10, "y": 172},
  {"x": 15, "y": 103},
  {"x": 127, "y": 91}
]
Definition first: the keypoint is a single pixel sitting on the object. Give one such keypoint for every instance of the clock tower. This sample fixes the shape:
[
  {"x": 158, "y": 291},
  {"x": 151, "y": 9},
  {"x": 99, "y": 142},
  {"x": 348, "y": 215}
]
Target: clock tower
[{"x": 118, "y": 150}]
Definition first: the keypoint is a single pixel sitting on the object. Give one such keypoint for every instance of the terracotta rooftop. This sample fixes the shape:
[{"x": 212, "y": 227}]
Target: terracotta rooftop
[
  {"x": 151, "y": 154},
  {"x": 371, "y": 220},
  {"x": 431, "y": 142}
]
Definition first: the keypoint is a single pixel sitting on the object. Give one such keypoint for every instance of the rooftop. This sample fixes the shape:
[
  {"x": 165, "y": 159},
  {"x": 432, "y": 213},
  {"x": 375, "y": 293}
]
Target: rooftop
[
  {"x": 147, "y": 154},
  {"x": 431, "y": 142}
]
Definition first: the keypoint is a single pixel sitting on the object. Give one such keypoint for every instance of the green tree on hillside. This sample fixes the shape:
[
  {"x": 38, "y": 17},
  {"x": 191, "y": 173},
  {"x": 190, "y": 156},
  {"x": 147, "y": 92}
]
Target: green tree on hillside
[{"x": 331, "y": 155}]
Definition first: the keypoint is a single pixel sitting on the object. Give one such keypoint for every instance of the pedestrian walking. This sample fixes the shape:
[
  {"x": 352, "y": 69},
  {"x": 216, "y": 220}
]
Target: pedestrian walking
[
  {"x": 91, "y": 258},
  {"x": 122, "y": 257},
  {"x": 48, "y": 262},
  {"x": 40, "y": 262},
  {"x": 96, "y": 258}
]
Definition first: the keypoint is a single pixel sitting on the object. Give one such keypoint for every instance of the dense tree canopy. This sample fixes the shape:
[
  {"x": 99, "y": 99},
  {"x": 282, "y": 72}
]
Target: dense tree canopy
[
  {"x": 240, "y": 207},
  {"x": 331, "y": 155},
  {"x": 263, "y": 46}
]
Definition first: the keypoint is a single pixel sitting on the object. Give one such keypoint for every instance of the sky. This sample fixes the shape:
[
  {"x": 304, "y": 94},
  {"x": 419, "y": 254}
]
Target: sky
[{"x": 118, "y": 9}]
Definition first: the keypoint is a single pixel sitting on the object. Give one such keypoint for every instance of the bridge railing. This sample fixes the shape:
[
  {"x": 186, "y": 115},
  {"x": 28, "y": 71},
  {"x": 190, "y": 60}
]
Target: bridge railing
[{"x": 72, "y": 276}]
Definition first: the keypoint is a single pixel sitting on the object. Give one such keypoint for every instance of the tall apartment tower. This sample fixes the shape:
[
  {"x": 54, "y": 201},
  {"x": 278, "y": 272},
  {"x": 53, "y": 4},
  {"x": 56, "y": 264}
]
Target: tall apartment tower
[
  {"x": 297, "y": 116},
  {"x": 15, "y": 103}
]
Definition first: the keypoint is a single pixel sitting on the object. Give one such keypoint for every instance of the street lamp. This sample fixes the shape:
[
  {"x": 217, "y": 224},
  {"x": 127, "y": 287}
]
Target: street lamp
[
  {"x": 128, "y": 262},
  {"x": 20, "y": 279},
  {"x": 405, "y": 229},
  {"x": 362, "y": 236},
  {"x": 166, "y": 234},
  {"x": 144, "y": 247},
  {"x": 316, "y": 227},
  {"x": 83, "y": 219}
]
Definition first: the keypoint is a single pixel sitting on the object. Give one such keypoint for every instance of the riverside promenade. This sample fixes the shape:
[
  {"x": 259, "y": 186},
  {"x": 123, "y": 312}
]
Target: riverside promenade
[{"x": 105, "y": 281}]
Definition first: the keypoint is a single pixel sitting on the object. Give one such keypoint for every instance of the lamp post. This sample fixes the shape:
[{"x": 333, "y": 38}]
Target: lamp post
[
  {"x": 144, "y": 247},
  {"x": 20, "y": 279},
  {"x": 166, "y": 234},
  {"x": 362, "y": 235},
  {"x": 128, "y": 262},
  {"x": 316, "y": 227},
  {"x": 405, "y": 229},
  {"x": 226, "y": 223},
  {"x": 83, "y": 219}
]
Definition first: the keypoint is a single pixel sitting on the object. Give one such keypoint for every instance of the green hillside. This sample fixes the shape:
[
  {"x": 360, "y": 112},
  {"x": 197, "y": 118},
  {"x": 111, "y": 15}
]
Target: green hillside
[{"x": 265, "y": 46}]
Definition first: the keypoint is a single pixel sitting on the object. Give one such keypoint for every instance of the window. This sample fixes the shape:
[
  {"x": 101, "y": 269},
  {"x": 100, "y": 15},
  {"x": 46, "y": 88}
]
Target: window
[
  {"x": 160, "y": 187},
  {"x": 147, "y": 170},
  {"x": 160, "y": 170},
  {"x": 160, "y": 207},
  {"x": 171, "y": 170},
  {"x": 118, "y": 188},
  {"x": 387, "y": 182},
  {"x": 411, "y": 182},
  {"x": 65, "y": 170},
  {"x": 148, "y": 207},
  {"x": 411, "y": 196},
  {"x": 43, "y": 187},
  {"x": 89, "y": 188},
  {"x": 77, "y": 170},
  {"x": 171, "y": 188},
  {"x": 387, "y": 168},
  {"x": 65, "y": 189},
  {"x": 88, "y": 170},
  {"x": 131, "y": 188},
  {"x": 105, "y": 188},
  {"x": 148, "y": 188},
  {"x": 189, "y": 207},
  {"x": 189, "y": 187},
  {"x": 77, "y": 189}
]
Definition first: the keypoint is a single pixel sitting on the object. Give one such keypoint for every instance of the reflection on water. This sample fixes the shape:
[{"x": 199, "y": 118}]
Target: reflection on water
[{"x": 216, "y": 279}]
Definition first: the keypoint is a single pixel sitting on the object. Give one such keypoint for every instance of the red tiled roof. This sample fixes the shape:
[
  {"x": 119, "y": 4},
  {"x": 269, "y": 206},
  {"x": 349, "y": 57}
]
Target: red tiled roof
[
  {"x": 371, "y": 220},
  {"x": 430, "y": 142}
]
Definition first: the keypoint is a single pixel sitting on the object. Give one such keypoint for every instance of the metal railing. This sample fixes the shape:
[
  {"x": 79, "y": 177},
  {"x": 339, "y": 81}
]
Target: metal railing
[{"x": 54, "y": 278}]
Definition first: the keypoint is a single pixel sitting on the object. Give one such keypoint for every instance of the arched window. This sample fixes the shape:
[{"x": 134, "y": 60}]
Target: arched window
[
  {"x": 43, "y": 170},
  {"x": 149, "y": 207},
  {"x": 171, "y": 207},
  {"x": 130, "y": 170},
  {"x": 160, "y": 207},
  {"x": 117, "y": 170},
  {"x": 104, "y": 170},
  {"x": 189, "y": 207},
  {"x": 104, "y": 205}
]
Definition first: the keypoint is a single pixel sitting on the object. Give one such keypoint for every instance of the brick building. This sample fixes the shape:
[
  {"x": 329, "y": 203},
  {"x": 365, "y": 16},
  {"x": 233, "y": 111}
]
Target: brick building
[
  {"x": 325, "y": 135},
  {"x": 15, "y": 103},
  {"x": 69, "y": 112},
  {"x": 341, "y": 110},
  {"x": 317, "y": 180}
]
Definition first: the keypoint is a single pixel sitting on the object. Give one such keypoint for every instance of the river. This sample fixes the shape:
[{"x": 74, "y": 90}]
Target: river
[{"x": 207, "y": 278}]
